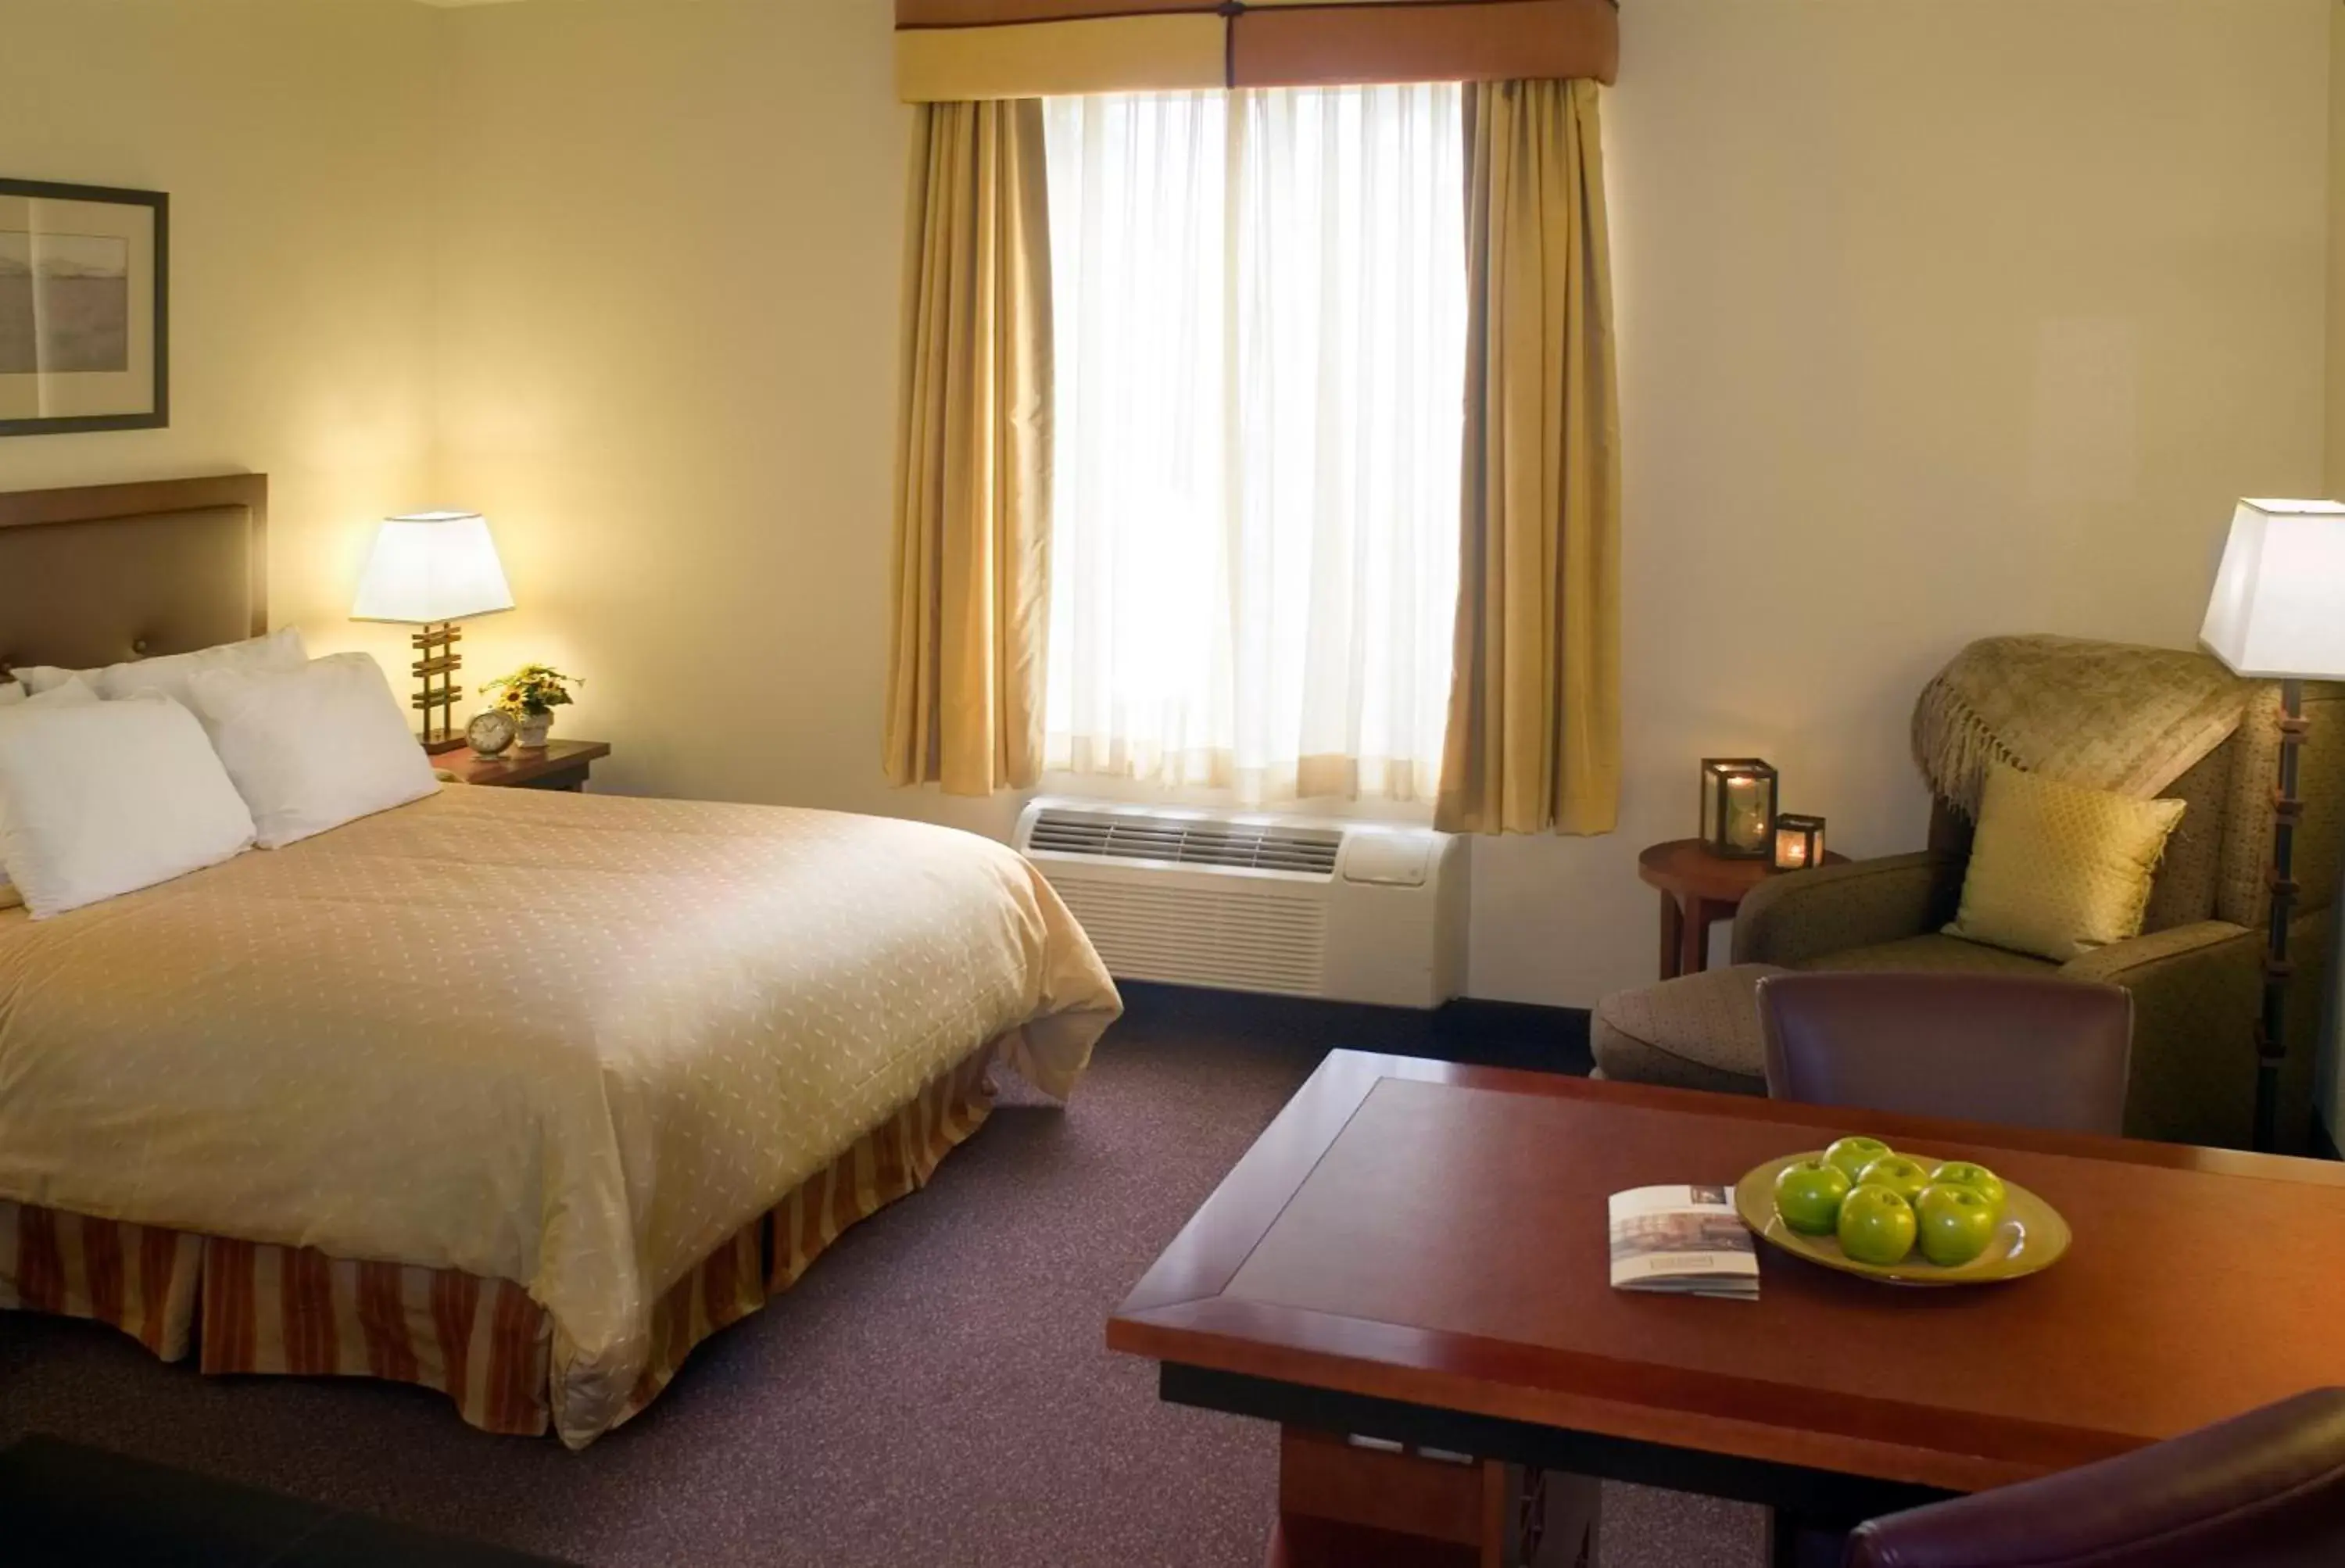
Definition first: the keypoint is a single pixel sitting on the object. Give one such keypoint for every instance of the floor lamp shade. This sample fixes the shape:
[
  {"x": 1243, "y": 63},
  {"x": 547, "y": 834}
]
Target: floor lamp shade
[
  {"x": 433, "y": 567},
  {"x": 2278, "y": 612}
]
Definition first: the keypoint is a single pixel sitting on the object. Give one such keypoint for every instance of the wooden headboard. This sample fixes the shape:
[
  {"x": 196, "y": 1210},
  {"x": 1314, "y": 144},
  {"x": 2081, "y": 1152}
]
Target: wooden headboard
[{"x": 105, "y": 572}]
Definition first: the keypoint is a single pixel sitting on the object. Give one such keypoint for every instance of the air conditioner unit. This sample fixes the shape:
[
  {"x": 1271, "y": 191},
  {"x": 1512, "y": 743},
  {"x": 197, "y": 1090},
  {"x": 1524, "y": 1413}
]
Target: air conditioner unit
[{"x": 1351, "y": 911}]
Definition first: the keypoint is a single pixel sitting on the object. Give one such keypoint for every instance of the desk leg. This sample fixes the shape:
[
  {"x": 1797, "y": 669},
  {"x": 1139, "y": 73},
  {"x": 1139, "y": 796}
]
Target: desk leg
[{"x": 1673, "y": 924}]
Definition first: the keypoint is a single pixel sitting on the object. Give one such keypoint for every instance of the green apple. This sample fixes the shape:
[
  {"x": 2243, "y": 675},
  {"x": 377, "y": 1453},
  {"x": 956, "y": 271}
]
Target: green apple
[
  {"x": 1876, "y": 1225},
  {"x": 1808, "y": 1194},
  {"x": 1956, "y": 1223},
  {"x": 1978, "y": 1178},
  {"x": 1900, "y": 1174},
  {"x": 1852, "y": 1155}
]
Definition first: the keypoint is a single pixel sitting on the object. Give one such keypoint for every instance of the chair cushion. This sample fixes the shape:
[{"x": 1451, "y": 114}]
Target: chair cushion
[
  {"x": 1696, "y": 1031},
  {"x": 2057, "y": 870},
  {"x": 1932, "y": 954}
]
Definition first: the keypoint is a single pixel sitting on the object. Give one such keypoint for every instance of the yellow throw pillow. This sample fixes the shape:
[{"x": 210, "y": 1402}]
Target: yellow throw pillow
[{"x": 2058, "y": 870}]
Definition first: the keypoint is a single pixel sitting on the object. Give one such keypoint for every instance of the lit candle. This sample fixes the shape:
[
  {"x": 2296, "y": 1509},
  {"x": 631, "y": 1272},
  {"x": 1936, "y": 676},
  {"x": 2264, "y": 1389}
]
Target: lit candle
[
  {"x": 1746, "y": 813},
  {"x": 1738, "y": 807},
  {"x": 1798, "y": 842}
]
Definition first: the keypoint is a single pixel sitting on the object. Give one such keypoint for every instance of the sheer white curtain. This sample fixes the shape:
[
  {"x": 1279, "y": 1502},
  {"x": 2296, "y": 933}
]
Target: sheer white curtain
[{"x": 1260, "y": 306}]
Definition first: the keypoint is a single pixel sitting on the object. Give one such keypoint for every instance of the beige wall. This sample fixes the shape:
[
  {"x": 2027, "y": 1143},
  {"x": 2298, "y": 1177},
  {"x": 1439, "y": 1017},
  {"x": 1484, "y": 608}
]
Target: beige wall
[
  {"x": 295, "y": 141},
  {"x": 1925, "y": 335},
  {"x": 668, "y": 355},
  {"x": 2330, "y": 1093},
  {"x": 1938, "y": 318},
  {"x": 2336, "y": 453}
]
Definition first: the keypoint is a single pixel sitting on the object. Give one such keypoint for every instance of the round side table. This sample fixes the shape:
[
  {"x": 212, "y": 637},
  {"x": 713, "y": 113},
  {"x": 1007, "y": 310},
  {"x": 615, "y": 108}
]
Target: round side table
[{"x": 1698, "y": 890}]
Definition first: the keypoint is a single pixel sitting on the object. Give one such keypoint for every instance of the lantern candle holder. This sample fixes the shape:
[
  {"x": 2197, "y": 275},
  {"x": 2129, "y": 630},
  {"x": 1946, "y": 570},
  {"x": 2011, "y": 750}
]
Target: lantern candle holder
[
  {"x": 1738, "y": 808},
  {"x": 1798, "y": 842}
]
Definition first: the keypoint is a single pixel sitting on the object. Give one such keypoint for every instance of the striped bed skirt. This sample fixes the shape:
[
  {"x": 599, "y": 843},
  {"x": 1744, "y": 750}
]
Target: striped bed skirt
[{"x": 248, "y": 1306}]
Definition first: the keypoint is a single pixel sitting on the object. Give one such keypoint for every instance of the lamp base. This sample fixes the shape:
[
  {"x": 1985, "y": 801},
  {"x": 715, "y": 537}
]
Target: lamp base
[{"x": 435, "y": 667}]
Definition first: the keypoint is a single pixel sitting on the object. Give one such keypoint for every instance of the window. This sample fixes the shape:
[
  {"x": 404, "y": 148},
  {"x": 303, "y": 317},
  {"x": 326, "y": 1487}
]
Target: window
[{"x": 1260, "y": 316}]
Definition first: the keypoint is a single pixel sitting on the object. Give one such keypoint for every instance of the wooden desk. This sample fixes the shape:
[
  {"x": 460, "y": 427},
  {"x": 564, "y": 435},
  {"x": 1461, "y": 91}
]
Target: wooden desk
[{"x": 1416, "y": 1252}]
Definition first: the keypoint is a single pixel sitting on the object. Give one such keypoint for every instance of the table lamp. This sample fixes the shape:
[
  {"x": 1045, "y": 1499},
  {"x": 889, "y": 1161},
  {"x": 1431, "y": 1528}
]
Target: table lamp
[
  {"x": 432, "y": 569},
  {"x": 2278, "y": 612}
]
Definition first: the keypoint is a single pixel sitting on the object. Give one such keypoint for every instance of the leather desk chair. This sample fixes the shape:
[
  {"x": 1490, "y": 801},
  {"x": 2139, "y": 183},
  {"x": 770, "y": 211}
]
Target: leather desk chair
[
  {"x": 2014, "y": 1050},
  {"x": 2265, "y": 1490}
]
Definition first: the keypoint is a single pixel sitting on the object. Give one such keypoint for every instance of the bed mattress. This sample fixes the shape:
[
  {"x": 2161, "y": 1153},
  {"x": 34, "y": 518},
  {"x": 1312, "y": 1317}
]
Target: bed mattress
[{"x": 573, "y": 1042}]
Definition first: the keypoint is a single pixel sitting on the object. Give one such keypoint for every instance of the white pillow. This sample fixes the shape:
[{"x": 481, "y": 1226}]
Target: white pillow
[
  {"x": 74, "y": 693},
  {"x": 40, "y": 677},
  {"x": 71, "y": 692},
  {"x": 280, "y": 649},
  {"x": 102, "y": 799},
  {"x": 314, "y": 748}
]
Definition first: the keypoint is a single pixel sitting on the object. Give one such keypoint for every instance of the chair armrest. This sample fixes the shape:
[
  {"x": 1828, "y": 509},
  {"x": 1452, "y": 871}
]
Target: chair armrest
[
  {"x": 1801, "y": 915},
  {"x": 2138, "y": 958},
  {"x": 2195, "y": 990}
]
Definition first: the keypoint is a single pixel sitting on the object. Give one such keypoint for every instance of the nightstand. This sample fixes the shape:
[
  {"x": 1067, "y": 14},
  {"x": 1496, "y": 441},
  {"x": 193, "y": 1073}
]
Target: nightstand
[
  {"x": 559, "y": 765},
  {"x": 1698, "y": 889}
]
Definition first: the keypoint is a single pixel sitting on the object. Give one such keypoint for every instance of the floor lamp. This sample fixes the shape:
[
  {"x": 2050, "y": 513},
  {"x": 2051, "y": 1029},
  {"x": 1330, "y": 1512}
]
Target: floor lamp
[{"x": 2278, "y": 612}]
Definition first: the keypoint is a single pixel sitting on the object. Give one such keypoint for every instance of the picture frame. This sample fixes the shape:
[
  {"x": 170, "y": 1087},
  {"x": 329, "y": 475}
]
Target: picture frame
[{"x": 84, "y": 307}]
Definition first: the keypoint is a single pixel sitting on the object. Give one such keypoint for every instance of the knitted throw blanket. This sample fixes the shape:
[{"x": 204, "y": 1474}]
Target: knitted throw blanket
[{"x": 2105, "y": 716}]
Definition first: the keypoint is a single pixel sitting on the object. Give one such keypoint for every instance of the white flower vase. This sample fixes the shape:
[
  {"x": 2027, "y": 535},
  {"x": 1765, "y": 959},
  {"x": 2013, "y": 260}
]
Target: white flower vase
[{"x": 533, "y": 730}]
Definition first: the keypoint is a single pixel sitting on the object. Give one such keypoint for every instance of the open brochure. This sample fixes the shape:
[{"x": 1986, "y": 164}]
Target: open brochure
[{"x": 1684, "y": 1239}]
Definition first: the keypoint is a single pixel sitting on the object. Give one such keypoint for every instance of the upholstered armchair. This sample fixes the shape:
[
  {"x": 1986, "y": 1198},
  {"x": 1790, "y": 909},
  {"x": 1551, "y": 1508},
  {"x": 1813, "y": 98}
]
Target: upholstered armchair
[{"x": 2195, "y": 971}]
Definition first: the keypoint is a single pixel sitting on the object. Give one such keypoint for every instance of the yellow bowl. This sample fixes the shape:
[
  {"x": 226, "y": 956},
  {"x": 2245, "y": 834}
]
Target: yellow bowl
[{"x": 2031, "y": 1237}]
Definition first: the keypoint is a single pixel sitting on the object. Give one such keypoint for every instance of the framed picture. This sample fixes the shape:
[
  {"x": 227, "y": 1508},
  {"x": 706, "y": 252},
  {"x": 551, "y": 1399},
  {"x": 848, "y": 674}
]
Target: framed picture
[{"x": 85, "y": 284}]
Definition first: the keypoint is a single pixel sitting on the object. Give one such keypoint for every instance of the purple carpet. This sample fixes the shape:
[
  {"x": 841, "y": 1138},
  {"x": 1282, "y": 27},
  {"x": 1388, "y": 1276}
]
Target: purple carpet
[{"x": 936, "y": 1390}]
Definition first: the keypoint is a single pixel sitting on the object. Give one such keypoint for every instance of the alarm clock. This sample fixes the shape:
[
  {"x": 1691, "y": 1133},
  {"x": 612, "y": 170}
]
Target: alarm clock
[{"x": 491, "y": 733}]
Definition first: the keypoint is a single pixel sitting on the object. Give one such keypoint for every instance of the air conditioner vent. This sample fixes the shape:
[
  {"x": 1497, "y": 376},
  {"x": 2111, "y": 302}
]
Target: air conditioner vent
[
  {"x": 1273, "y": 941},
  {"x": 1349, "y": 910},
  {"x": 1178, "y": 841}
]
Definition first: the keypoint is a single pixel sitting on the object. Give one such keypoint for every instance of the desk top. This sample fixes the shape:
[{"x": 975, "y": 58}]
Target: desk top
[{"x": 1437, "y": 1234}]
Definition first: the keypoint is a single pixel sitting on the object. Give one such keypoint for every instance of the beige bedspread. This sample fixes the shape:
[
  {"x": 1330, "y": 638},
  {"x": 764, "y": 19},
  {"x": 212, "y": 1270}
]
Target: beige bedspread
[{"x": 570, "y": 1041}]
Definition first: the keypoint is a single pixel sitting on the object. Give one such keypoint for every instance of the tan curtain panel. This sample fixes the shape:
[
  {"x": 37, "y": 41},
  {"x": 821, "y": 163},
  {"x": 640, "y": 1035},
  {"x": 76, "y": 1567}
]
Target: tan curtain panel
[
  {"x": 965, "y": 682},
  {"x": 971, "y": 49},
  {"x": 1534, "y": 739}
]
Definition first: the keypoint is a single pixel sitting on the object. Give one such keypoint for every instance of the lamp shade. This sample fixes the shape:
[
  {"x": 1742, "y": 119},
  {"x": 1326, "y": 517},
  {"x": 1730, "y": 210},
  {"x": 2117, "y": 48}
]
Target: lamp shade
[
  {"x": 433, "y": 567},
  {"x": 2278, "y": 611}
]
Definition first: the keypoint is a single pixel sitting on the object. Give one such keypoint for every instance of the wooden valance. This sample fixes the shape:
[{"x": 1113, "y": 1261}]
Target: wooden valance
[{"x": 951, "y": 50}]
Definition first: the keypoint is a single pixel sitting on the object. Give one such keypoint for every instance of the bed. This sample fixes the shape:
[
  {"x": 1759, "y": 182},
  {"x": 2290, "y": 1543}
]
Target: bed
[{"x": 517, "y": 1095}]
